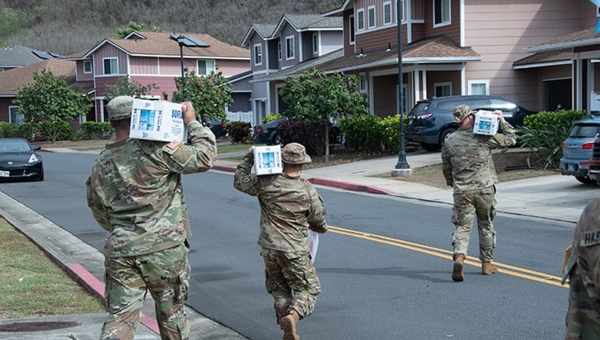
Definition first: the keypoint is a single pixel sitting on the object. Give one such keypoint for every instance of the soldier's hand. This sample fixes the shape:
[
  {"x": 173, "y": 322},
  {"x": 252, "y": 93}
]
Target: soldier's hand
[
  {"x": 499, "y": 114},
  {"x": 250, "y": 156},
  {"x": 189, "y": 114},
  {"x": 319, "y": 229}
]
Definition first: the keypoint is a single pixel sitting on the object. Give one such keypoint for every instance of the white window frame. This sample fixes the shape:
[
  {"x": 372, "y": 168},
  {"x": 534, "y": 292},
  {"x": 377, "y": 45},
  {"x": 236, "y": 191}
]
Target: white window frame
[
  {"x": 315, "y": 42},
  {"x": 442, "y": 84},
  {"x": 13, "y": 107},
  {"x": 91, "y": 66},
  {"x": 104, "y": 66},
  {"x": 387, "y": 3},
  {"x": 279, "y": 47},
  {"x": 256, "y": 54},
  {"x": 374, "y": 8},
  {"x": 350, "y": 22},
  {"x": 478, "y": 82},
  {"x": 443, "y": 23},
  {"x": 293, "y": 49},
  {"x": 360, "y": 13},
  {"x": 210, "y": 66},
  {"x": 364, "y": 80}
]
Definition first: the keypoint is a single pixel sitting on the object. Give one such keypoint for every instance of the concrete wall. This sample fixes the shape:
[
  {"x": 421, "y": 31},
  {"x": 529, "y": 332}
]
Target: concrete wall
[
  {"x": 501, "y": 32},
  {"x": 106, "y": 51}
]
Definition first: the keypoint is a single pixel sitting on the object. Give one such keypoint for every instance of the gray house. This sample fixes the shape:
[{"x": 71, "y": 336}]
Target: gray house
[
  {"x": 20, "y": 56},
  {"x": 295, "y": 43}
]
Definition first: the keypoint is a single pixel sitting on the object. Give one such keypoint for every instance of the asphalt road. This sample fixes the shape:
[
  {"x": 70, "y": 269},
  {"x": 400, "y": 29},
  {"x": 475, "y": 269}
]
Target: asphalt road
[{"x": 370, "y": 290}]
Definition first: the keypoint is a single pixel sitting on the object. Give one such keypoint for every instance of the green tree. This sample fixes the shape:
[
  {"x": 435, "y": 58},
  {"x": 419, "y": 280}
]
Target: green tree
[
  {"x": 313, "y": 96},
  {"x": 132, "y": 26},
  {"x": 50, "y": 104},
  {"x": 126, "y": 87},
  {"x": 210, "y": 94}
]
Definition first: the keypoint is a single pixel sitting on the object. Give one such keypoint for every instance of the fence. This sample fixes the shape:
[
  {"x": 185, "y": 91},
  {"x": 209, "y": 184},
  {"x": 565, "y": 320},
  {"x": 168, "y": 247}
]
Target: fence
[{"x": 247, "y": 117}]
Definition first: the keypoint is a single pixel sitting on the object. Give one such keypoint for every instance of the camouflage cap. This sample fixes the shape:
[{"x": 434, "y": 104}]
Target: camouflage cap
[
  {"x": 120, "y": 108},
  {"x": 461, "y": 112},
  {"x": 295, "y": 153}
]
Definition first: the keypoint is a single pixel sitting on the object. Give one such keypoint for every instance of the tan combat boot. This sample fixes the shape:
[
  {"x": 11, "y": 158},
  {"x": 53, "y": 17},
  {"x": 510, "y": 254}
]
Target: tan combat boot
[
  {"x": 458, "y": 271},
  {"x": 488, "y": 268},
  {"x": 289, "y": 324}
]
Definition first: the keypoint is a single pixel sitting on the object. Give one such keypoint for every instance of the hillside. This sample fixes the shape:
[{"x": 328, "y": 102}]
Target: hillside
[{"x": 70, "y": 26}]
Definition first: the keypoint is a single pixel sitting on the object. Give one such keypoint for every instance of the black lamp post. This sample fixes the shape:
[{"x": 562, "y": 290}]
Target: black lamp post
[{"x": 402, "y": 168}]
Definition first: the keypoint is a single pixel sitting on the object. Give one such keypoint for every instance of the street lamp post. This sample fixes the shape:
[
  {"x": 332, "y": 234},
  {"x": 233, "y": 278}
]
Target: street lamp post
[{"x": 402, "y": 167}]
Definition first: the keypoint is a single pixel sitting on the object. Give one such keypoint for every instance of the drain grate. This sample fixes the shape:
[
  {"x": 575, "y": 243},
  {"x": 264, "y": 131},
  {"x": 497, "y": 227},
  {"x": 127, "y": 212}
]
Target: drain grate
[{"x": 36, "y": 326}]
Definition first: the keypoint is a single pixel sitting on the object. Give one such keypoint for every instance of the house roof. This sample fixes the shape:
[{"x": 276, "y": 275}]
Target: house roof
[
  {"x": 12, "y": 81},
  {"x": 311, "y": 63},
  {"x": 308, "y": 22},
  {"x": 544, "y": 59},
  {"x": 581, "y": 38},
  {"x": 160, "y": 44},
  {"x": 338, "y": 11},
  {"x": 20, "y": 56},
  {"x": 265, "y": 31},
  {"x": 433, "y": 50}
]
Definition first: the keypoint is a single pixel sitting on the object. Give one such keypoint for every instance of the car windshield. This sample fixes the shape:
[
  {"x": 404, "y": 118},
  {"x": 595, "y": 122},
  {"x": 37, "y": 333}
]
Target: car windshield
[
  {"x": 420, "y": 107},
  {"x": 14, "y": 146},
  {"x": 585, "y": 131}
]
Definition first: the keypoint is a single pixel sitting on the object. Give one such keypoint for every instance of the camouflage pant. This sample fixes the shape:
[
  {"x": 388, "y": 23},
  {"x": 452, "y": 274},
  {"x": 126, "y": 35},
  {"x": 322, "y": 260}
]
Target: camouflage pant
[
  {"x": 292, "y": 281},
  {"x": 583, "y": 317},
  {"x": 128, "y": 279},
  {"x": 467, "y": 206}
]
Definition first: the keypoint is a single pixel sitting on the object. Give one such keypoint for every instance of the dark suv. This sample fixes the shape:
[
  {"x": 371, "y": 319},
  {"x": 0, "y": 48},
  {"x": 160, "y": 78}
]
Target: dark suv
[{"x": 430, "y": 121}]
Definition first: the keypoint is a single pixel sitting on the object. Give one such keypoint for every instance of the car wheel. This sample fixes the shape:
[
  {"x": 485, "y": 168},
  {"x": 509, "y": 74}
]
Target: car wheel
[
  {"x": 585, "y": 180},
  {"x": 276, "y": 139},
  {"x": 445, "y": 134},
  {"x": 40, "y": 177},
  {"x": 430, "y": 147}
]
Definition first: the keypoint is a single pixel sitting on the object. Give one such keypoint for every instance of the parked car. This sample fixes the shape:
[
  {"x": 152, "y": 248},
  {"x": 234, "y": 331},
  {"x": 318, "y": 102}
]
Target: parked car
[
  {"x": 578, "y": 149},
  {"x": 268, "y": 133},
  {"x": 20, "y": 160},
  {"x": 217, "y": 127},
  {"x": 430, "y": 121},
  {"x": 593, "y": 164}
]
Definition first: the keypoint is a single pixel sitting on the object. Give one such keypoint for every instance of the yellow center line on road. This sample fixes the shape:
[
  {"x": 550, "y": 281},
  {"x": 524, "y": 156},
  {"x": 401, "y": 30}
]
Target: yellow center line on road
[{"x": 514, "y": 271}]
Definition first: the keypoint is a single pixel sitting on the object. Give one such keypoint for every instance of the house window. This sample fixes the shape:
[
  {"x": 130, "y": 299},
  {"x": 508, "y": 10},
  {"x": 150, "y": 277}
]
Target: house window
[
  {"x": 363, "y": 83},
  {"x": 372, "y": 17},
  {"x": 442, "y": 89},
  {"x": 279, "y": 49},
  {"x": 351, "y": 30},
  {"x": 360, "y": 19},
  {"x": 15, "y": 116},
  {"x": 290, "y": 51},
  {"x": 479, "y": 87},
  {"x": 315, "y": 42},
  {"x": 258, "y": 54},
  {"x": 111, "y": 65},
  {"x": 87, "y": 66},
  {"x": 441, "y": 13},
  {"x": 387, "y": 13},
  {"x": 206, "y": 66}
]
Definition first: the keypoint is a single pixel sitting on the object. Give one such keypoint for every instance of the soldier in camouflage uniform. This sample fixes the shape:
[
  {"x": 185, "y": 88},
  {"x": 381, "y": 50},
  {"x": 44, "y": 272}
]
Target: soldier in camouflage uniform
[
  {"x": 135, "y": 193},
  {"x": 469, "y": 169},
  {"x": 290, "y": 206},
  {"x": 583, "y": 317}
]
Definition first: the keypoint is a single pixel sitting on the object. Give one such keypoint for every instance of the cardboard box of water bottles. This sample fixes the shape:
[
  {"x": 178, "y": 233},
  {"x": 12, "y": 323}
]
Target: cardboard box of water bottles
[
  {"x": 267, "y": 160},
  {"x": 157, "y": 120},
  {"x": 486, "y": 123}
]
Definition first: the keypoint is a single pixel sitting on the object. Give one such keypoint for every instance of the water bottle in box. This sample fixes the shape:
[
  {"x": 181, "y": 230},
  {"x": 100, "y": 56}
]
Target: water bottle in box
[
  {"x": 486, "y": 123},
  {"x": 267, "y": 160}
]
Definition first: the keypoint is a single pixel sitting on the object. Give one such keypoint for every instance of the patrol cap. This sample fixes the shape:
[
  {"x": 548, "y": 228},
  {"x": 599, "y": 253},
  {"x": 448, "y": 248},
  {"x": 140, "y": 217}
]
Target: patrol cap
[
  {"x": 461, "y": 112},
  {"x": 295, "y": 153},
  {"x": 120, "y": 107}
]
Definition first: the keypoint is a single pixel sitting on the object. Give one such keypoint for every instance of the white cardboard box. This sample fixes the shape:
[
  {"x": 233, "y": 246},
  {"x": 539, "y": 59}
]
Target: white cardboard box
[
  {"x": 486, "y": 123},
  {"x": 267, "y": 160},
  {"x": 157, "y": 120}
]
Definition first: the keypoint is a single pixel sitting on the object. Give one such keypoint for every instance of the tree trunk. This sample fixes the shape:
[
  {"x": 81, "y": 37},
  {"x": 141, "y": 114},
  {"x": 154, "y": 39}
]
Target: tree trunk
[{"x": 326, "y": 142}]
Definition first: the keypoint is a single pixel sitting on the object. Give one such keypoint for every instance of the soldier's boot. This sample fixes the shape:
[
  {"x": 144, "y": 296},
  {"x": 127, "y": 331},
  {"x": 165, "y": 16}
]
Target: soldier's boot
[
  {"x": 488, "y": 268},
  {"x": 289, "y": 324},
  {"x": 458, "y": 270}
]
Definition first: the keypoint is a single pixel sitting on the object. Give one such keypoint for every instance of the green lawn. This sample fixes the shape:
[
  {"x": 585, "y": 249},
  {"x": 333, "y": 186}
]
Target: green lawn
[{"x": 31, "y": 284}]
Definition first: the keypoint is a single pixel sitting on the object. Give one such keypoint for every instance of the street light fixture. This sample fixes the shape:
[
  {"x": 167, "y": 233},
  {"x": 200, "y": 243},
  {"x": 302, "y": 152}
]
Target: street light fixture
[{"x": 402, "y": 168}]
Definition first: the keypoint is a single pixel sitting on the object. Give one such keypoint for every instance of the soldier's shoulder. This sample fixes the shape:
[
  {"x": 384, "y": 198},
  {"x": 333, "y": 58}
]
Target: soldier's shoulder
[{"x": 590, "y": 218}]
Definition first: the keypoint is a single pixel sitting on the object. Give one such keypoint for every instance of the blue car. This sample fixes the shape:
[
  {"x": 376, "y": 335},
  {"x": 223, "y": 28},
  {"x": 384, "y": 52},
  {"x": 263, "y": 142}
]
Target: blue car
[{"x": 579, "y": 148}]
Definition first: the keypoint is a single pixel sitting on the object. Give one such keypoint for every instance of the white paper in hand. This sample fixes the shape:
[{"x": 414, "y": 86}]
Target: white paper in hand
[
  {"x": 155, "y": 120},
  {"x": 313, "y": 245}
]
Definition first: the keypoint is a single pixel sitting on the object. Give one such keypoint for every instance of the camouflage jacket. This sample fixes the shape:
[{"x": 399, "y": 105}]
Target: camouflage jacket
[
  {"x": 289, "y": 207},
  {"x": 135, "y": 191},
  {"x": 467, "y": 158}
]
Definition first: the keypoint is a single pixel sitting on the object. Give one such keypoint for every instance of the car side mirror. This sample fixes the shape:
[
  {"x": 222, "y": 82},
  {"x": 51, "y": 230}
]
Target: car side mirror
[{"x": 36, "y": 147}]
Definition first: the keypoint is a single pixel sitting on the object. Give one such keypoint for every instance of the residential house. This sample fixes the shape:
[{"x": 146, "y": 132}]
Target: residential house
[
  {"x": 153, "y": 58},
  {"x": 12, "y": 57},
  {"x": 454, "y": 47},
  {"x": 294, "y": 43},
  {"x": 240, "y": 110},
  {"x": 12, "y": 81}
]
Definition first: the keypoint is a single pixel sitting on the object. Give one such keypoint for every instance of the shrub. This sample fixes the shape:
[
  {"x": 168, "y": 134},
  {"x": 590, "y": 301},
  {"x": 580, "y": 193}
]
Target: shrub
[
  {"x": 309, "y": 134},
  {"x": 372, "y": 133},
  {"x": 239, "y": 132},
  {"x": 545, "y": 131},
  {"x": 55, "y": 130},
  {"x": 95, "y": 130},
  {"x": 8, "y": 130},
  {"x": 272, "y": 117}
]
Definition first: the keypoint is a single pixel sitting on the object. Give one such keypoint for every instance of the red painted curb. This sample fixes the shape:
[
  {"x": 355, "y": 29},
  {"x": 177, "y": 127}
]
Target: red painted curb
[
  {"x": 348, "y": 186},
  {"x": 223, "y": 168},
  {"x": 99, "y": 288}
]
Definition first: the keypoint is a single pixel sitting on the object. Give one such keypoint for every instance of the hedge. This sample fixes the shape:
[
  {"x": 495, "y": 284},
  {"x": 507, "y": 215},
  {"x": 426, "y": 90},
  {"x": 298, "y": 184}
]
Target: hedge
[
  {"x": 95, "y": 130},
  {"x": 239, "y": 132},
  {"x": 372, "y": 133}
]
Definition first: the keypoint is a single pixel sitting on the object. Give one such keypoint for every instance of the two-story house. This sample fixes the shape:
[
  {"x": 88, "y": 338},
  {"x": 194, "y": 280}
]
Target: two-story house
[
  {"x": 294, "y": 43},
  {"x": 452, "y": 47},
  {"x": 153, "y": 58}
]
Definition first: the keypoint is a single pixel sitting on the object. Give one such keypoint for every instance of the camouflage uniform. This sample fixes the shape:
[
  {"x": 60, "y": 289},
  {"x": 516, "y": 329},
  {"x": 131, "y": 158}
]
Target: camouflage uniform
[
  {"x": 135, "y": 193},
  {"x": 469, "y": 169},
  {"x": 289, "y": 207},
  {"x": 583, "y": 317}
]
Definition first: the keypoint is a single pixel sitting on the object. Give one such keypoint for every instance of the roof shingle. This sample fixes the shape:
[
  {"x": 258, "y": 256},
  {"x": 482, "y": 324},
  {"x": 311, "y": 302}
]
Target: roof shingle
[{"x": 13, "y": 80}]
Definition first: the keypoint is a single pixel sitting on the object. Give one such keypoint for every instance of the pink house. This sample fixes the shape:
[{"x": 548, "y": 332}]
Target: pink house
[{"x": 153, "y": 58}]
